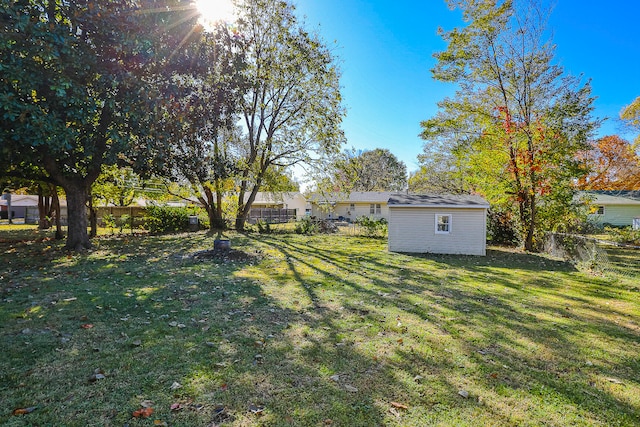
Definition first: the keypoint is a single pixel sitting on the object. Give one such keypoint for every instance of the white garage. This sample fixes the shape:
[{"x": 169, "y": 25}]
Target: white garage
[{"x": 440, "y": 224}]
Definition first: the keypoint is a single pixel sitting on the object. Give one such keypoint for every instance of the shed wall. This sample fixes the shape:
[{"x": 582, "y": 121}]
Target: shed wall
[{"x": 413, "y": 230}]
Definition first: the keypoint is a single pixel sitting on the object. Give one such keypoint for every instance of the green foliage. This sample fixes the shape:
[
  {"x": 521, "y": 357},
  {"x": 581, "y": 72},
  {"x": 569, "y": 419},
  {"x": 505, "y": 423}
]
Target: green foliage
[
  {"x": 502, "y": 228},
  {"x": 306, "y": 226},
  {"x": 625, "y": 235},
  {"x": 373, "y": 227},
  {"x": 109, "y": 221},
  {"x": 292, "y": 106},
  {"x": 165, "y": 219},
  {"x": 375, "y": 170},
  {"x": 263, "y": 227},
  {"x": 516, "y": 123}
]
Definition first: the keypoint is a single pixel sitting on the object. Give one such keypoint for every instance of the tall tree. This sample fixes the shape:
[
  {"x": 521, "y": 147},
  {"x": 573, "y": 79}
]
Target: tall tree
[
  {"x": 195, "y": 137},
  {"x": 613, "y": 165},
  {"x": 375, "y": 170},
  {"x": 517, "y": 121},
  {"x": 292, "y": 109},
  {"x": 73, "y": 84}
]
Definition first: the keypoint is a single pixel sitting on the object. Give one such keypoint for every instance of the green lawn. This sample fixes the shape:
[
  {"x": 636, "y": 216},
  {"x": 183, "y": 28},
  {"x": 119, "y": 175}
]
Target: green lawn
[{"x": 310, "y": 331}]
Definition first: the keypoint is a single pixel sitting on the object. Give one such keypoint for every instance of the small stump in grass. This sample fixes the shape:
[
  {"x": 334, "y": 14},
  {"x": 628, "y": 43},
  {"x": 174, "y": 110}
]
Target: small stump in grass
[{"x": 221, "y": 245}]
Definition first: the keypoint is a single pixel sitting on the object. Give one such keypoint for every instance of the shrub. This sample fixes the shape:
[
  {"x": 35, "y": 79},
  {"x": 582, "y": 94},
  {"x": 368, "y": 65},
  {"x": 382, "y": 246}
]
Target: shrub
[
  {"x": 372, "y": 227},
  {"x": 306, "y": 226},
  {"x": 502, "y": 228},
  {"x": 624, "y": 235},
  {"x": 163, "y": 219},
  {"x": 263, "y": 227}
]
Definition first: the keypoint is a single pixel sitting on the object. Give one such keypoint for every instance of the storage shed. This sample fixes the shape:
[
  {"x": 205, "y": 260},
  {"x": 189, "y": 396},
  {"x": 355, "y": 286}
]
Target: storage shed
[{"x": 441, "y": 224}]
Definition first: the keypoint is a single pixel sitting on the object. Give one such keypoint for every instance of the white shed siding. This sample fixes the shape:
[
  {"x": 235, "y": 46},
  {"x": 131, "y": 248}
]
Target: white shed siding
[{"x": 412, "y": 229}]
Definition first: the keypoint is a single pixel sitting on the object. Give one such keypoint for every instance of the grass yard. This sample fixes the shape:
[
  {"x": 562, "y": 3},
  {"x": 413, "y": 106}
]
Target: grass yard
[{"x": 309, "y": 331}]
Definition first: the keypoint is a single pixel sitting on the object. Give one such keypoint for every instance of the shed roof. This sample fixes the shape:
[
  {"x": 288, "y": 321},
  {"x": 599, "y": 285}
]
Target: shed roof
[{"x": 437, "y": 201}]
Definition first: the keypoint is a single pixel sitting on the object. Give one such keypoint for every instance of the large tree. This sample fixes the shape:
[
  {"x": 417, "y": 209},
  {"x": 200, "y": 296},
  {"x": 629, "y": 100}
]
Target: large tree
[
  {"x": 74, "y": 85},
  {"x": 195, "y": 138},
  {"x": 516, "y": 120},
  {"x": 374, "y": 170},
  {"x": 292, "y": 109}
]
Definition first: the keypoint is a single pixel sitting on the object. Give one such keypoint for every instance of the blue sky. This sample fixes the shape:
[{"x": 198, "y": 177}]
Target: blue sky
[{"x": 385, "y": 52}]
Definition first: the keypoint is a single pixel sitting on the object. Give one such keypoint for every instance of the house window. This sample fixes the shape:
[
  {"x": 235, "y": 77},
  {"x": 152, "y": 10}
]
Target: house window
[
  {"x": 375, "y": 208},
  {"x": 443, "y": 224},
  {"x": 352, "y": 208},
  {"x": 600, "y": 210}
]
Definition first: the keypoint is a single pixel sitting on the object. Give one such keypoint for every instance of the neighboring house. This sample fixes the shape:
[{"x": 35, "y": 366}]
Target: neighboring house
[
  {"x": 620, "y": 208},
  {"x": 442, "y": 224},
  {"x": 270, "y": 203},
  {"x": 350, "y": 206},
  {"x": 26, "y": 206}
]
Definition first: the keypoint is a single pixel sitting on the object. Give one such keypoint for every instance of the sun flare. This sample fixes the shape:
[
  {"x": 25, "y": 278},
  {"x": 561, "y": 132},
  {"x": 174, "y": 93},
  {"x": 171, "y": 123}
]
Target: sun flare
[{"x": 212, "y": 11}]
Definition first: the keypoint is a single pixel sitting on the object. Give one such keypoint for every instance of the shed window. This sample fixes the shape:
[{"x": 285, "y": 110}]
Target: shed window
[
  {"x": 375, "y": 208},
  {"x": 443, "y": 224}
]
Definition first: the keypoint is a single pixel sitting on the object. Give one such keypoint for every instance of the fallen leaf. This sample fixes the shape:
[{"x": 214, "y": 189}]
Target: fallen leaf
[
  {"x": 350, "y": 388},
  {"x": 614, "y": 380},
  {"x": 258, "y": 410},
  {"x": 175, "y": 407},
  {"x": 86, "y": 326},
  {"x": 24, "y": 411},
  {"x": 335, "y": 378},
  {"x": 224, "y": 387},
  {"x": 464, "y": 394},
  {"x": 146, "y": 404},
  {"x": 400, "y": 341},
  {"x": 176, "y": 385},
  {"x": 143, "y": 413},
  {"x": 399, "y": 405},
  {"x": 160, "y": 423},
  {"x": 395, "y": 412}
]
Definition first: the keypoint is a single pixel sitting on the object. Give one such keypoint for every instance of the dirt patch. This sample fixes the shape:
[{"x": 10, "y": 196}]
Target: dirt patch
[{"x": 226, "y": 255}]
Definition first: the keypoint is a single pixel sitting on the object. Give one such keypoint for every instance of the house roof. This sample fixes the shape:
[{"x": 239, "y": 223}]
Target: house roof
[
  {"x": 437, "y": 201},
  {"x": 352, "y": 197},
  {"x": 264, "y": 197},
  {"x": 613, "y": 197}
]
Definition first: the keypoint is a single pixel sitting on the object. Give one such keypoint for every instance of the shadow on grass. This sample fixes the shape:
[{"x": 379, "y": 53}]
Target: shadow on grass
[{"x": 320, "y": 331}]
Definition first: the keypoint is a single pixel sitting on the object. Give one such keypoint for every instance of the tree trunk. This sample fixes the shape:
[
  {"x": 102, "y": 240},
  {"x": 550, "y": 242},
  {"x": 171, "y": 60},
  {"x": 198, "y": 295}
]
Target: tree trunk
[
  {"x": 528, "y": 242},
  {"x": 56, "y": 207},
  {"x": 78, "y": 238},
  {"x": 93, "y": 218}
]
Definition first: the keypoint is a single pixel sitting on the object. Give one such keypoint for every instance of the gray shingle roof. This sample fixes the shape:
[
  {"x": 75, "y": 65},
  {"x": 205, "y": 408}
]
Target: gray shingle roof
[
  {"x": 353, "y": 197},
  {"x": 437, "y": 200}
]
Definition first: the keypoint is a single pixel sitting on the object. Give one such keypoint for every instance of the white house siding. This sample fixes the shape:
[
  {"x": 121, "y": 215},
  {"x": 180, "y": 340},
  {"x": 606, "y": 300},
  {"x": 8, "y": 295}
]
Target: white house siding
[
  {"x": 412, "y": 229},
  {"x": 343, "y": 209},
  {"x": 620, "y": 215}
]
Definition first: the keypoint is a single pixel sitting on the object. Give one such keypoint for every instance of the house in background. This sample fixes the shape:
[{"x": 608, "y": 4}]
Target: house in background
[
  {"x": 619, "y": 208},
  {"x": 441, "y": 224},
  {"x": 277, "y": 207},
  {"x": 25, "y": 206},
  {"x": 350, "y": 206}
]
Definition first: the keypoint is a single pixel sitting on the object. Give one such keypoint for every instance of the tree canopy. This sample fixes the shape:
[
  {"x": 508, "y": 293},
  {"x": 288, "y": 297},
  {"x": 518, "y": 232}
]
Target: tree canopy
[
  {"x": 291, "y": 111},
  {"x": 612, "y": 165},
  {"x": 374, "y": 170},
  {"x": 74, "y": 85},
  {"x": 517, "y": 120}
]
